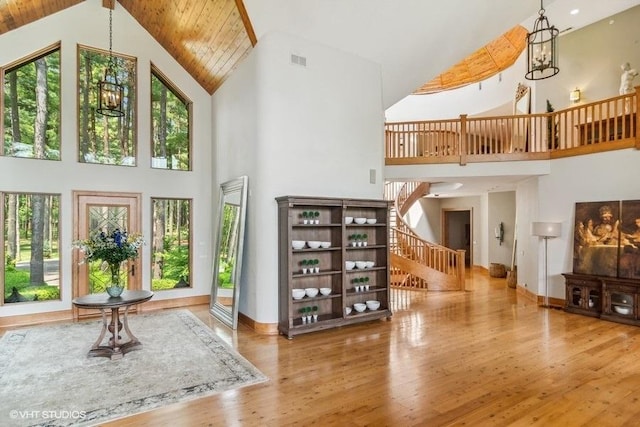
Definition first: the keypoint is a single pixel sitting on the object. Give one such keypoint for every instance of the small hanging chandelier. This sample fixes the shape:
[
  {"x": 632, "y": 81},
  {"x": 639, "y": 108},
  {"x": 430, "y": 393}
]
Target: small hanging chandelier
[
  {"x": 110, "y": 92},
  {"x": 542, "y": 49}
]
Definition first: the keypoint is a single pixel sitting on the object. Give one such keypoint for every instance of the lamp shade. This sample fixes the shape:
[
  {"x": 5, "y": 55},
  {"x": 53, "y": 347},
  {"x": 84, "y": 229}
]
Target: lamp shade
[{"x": 545, "y": 229}]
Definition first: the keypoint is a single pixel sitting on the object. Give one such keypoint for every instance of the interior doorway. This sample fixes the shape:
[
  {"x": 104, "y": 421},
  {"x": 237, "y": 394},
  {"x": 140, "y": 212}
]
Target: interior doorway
[
  {"x": 102, "y": 212},
  {"x": 457, "y": 232}
]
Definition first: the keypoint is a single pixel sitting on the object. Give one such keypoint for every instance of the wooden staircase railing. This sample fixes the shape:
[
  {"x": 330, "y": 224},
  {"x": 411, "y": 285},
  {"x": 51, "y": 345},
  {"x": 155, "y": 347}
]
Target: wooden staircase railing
[{"x": 416, "y": 263}]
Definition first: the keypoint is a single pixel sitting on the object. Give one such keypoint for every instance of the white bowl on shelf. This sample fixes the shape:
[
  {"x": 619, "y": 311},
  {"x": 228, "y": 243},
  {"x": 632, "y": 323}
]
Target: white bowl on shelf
[
  {"x": 369, "y": 264},
  {"x": 622, "y": 310},
  {"x": 298, "y": 244},
  {"x": 348, "y": 219},
  {"x": 313, "y": 244},
  {"x": 359, "y": 307},
  {"x": 325, "y": 245},
  {"x": 360, "y": 220},
  {"x": 349, "y": 265},
  {"x": 311, "y": 292},
  {"x": 371, "y": 220},
  {"x": 325, "y": 291},
  {"x": 361, "y": 264},
  {"x": 373, "y": 305},
  {"x": 298, "y": 293},
  {"x": 347, "y": 310}
]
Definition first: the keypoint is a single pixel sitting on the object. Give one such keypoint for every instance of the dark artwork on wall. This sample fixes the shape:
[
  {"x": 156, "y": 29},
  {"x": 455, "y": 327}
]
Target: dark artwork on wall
[{"x": 607, "y": 239}]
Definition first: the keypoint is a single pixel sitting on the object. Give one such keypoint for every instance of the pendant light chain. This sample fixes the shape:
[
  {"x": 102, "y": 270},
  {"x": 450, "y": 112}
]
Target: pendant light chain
[{"x": 110, "y": 91}]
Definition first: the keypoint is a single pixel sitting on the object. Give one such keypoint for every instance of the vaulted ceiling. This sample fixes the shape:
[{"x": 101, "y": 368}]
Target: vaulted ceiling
[
  {"x": 413, "y": 41},
  {"x": 209, "y": 38}
]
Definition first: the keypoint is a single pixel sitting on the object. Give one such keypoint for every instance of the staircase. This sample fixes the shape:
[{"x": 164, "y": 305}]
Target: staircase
[{"x": 416, "y": 263}]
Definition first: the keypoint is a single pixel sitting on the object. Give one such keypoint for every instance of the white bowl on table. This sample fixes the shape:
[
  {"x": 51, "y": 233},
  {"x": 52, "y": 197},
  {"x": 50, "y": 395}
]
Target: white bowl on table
[
  {"x": 298, "y": 244},
  {"x": 313, "y": 244},
  {"x": 373, "y": 305},
  {"x": 348, "y": 219},
  {"x": 361, "y": 264},
  {"x": 360, "y": 220},
  {"x": 371, "y": 220},
  {"x": 349, "y": 265},
  {"x": 359, "y": 307},
  {"x": 311, "y": 292},
  {"x": 298, "y": 293}
]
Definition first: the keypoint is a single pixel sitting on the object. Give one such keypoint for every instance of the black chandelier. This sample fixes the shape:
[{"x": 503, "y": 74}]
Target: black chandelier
[
  {"x": 110, "y": 92},
  {"x": 542, "y": 49}
]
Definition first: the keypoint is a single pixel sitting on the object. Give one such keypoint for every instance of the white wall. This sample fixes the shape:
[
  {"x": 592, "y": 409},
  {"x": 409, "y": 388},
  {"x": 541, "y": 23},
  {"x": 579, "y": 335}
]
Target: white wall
[
  {"x": 87, "y": 24},
  {"x": 502, "y": 209},
  {"x": 306, "y": 131}
]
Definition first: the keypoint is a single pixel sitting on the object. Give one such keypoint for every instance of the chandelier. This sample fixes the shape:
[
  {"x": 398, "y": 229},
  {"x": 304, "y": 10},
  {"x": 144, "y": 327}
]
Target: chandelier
[
  {"x": 110, "y": 92},
  {"x": 542, "y": 49}
]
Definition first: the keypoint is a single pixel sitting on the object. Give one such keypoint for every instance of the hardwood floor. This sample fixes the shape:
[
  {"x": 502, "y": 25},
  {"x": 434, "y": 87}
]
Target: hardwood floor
[{"x": 480, "y": 358}]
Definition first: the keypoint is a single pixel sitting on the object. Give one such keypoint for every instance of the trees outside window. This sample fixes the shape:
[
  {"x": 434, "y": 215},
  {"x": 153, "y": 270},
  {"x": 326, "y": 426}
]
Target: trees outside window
[
  {"x": 171, "y": 243},
  {"x": 170, "y": 125},
  {"x": 30, "y": 244},
  {"x": 104, "y": 139},
  {"x": 31, "y": 110}
]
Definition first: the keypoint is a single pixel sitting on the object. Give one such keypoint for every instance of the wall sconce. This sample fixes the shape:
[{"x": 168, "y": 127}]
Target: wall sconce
[
  {"x": 499, "y": 233},
  {"x": 574, "y": 95}
]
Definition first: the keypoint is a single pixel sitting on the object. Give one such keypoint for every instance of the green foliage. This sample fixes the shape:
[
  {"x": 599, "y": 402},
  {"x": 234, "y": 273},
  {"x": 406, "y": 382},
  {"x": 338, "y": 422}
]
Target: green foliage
[
  {"x": 224, "y": 275},
  {"x": 176, "y": 263},
  {"x": 19, "y": 279},
  {"x": 162, "y": 284}
]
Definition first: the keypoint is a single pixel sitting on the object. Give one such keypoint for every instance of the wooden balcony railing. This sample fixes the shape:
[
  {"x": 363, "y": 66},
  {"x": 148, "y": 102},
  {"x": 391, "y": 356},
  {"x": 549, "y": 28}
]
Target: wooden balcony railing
[
  {"x": 416, "y": 263},
  {"x": 610, "y": 124}
]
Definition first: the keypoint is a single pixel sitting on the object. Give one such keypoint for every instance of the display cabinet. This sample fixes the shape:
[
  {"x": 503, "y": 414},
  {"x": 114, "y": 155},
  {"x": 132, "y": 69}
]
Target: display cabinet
[
  {"x": 583, "y": 294},
  {"x": 333, "y": 260},
  {"x": 620, "y": 300}
]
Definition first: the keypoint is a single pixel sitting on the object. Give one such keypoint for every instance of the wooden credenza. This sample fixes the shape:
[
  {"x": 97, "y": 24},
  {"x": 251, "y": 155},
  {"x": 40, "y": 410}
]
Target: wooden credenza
[{"x": 608, "y": 298}]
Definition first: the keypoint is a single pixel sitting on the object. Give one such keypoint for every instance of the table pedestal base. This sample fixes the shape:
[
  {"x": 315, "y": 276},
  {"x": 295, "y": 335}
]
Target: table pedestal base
[{"x": 115, "y": 349}]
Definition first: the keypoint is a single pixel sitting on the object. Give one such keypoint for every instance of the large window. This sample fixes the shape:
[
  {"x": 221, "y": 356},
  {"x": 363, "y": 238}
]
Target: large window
[
  {"x": 30, "y": 246},
  {"x": 104, "y": 139},
  {"x": 170, "y": 124},
  {"x": 171, "y": 243},
  {"x": 31, "y": 110}
]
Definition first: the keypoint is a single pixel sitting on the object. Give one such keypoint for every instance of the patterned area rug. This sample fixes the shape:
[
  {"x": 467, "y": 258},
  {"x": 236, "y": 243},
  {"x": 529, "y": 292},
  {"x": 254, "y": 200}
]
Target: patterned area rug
[{"x": 46, "y": 377}]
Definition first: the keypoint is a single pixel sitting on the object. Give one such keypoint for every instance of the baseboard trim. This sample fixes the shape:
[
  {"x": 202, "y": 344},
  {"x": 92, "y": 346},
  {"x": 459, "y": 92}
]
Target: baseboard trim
[
  {"x": 35, "y": 319},
  {"x": 259, "y": 328},
  {"x": 538, "y": 299},
  {"x": 173, "y": 303}
]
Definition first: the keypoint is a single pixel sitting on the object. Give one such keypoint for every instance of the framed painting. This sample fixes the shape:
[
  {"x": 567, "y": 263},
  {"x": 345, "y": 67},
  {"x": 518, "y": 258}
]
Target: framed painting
[
  {"x": 629, "y": 262},
  {"x": 597, "y": 238}
]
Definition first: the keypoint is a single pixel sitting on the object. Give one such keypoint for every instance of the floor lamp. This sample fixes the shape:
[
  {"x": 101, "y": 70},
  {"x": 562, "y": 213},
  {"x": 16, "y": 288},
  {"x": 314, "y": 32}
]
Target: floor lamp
[{"x": 546, "y": 230}]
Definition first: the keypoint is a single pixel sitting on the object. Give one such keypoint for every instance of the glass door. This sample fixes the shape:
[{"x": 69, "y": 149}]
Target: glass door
[{"x": 97, "y": 213}]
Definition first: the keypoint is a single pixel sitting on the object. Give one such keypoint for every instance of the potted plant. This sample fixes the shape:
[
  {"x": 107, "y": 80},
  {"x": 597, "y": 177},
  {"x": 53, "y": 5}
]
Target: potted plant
[
  {"x": 315, "y": 263},
  {"x": 316, "y": 216},
  {"x": 304, "y": 263},
  {"x": 305, "y": 217},
  {"x": 366, "y": 283},
  {"x": 315, "y": 313},
  {"x": 303, "y": 312},
  {"x": 364, "y": 240},
  {"x": 354, "y": 239}
]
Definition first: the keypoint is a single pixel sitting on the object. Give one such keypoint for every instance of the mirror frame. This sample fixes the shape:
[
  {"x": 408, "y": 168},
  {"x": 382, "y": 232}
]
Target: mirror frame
[{"x": 221, "y": 312}]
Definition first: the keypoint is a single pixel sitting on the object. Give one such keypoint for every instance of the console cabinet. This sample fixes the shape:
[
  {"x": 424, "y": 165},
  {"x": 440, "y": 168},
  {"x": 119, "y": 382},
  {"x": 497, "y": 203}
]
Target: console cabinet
[
  {"x": 331, "y": 221},
  {"x": 609, "y": 298},
  {"x": 583, "y": 294}
]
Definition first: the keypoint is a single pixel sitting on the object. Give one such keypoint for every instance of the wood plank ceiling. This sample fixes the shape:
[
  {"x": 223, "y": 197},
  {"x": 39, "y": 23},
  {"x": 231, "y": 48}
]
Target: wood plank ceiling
[{"x": 208, "y": 38}]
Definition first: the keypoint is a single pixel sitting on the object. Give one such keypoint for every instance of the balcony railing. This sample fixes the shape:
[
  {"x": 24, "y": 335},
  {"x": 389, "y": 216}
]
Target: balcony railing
[{"x": 609, "y": 124}]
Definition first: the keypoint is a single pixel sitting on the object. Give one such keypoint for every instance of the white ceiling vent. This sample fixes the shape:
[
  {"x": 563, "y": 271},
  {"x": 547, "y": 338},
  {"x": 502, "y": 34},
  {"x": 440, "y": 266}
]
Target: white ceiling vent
[{"x": 298, "y": 60}]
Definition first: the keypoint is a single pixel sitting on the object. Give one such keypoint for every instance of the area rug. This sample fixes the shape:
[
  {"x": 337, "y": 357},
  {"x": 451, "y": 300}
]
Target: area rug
[{"x": 46, "y": 377}]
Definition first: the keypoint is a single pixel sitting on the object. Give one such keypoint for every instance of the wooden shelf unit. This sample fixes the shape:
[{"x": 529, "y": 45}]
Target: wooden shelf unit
[{"x": 331, "y": 227}]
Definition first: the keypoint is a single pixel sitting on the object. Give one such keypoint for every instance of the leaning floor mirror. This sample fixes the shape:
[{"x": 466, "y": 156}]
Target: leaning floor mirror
[{"x": 227, "y": 261}]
